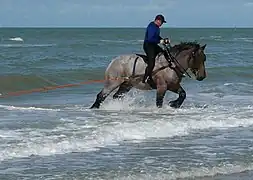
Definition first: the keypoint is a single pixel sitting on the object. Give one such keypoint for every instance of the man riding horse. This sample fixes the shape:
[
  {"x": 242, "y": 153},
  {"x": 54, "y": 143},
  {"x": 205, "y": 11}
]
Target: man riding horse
[
  {"x": 151, "y": 47},
  {"x": 165, "y": 70}
]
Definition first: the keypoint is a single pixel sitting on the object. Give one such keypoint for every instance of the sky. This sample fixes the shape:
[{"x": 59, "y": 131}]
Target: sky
[{"x": 125, "y": 13}]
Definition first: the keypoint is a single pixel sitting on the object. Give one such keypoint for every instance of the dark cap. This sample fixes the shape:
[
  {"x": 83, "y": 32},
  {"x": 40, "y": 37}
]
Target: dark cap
[{"x": 160, "y": 17}]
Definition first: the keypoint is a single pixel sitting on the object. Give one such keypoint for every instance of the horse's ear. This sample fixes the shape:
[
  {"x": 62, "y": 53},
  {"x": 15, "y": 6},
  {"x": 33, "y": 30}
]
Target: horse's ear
[{"x": 203, "y": 47}]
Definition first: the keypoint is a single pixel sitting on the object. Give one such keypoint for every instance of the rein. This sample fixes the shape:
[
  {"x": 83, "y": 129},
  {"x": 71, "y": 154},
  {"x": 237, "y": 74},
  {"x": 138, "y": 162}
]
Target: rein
[
  {"x": 176, "y": 61},
  {"x": 173, "y": 59}
]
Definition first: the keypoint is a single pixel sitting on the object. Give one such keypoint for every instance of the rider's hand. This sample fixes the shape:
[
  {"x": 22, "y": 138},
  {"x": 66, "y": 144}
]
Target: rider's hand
[
  {"x": 166, "y": 41},
  {"x": 162, "y": 41}
]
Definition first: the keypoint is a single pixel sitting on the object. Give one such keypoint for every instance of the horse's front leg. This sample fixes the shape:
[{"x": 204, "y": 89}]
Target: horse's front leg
[
  {"x": 160, "y": 92},
  {"x": 181, "y": 97}
]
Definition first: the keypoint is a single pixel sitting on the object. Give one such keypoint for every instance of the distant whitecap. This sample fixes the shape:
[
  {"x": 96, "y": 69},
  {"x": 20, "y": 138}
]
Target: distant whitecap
[{"x": 16, "y": 39}]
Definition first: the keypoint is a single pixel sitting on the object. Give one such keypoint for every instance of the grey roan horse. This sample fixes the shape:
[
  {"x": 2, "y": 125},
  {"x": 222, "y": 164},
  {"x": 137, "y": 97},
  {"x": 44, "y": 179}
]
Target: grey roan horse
[{"x": 127, "y": 71}]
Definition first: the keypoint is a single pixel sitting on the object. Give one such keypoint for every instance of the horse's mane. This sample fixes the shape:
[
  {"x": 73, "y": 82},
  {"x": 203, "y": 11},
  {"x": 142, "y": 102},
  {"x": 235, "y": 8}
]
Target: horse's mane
[{"x": 185, "y": 46}]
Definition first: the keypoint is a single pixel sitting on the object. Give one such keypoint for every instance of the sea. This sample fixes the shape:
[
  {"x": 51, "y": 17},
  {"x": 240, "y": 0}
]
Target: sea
[{"x": 52, "y": 134}]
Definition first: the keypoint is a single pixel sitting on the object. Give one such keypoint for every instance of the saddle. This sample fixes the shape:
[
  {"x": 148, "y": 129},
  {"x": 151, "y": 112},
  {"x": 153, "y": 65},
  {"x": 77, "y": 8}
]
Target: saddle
[{"x": 145, "y": 57}]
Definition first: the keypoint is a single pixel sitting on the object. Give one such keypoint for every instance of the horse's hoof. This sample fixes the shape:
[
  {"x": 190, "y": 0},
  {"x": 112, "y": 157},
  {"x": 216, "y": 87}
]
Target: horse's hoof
[
  {"x": 159, "y": 106},
  {"x": 94, "y": 106},
  {"x": 174, "y": 104},
  {"x": 159, "y": 102}
]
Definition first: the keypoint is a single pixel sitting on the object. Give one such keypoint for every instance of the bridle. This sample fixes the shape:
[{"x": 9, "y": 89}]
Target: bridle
[
  {"x": 173, "y": 59},
  {"x": 178, "y": 67}
]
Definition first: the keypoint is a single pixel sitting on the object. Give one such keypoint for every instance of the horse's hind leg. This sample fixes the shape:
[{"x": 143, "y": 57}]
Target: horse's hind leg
[
  {"x": 123, "y": 89},
  {"x": 109, "y": 86},
  {"x": 100, "y": 98}
]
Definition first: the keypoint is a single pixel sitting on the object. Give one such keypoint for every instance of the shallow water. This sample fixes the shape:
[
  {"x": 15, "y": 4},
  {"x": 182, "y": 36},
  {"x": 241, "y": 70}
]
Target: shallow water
[{"x": 54, "y": 135}]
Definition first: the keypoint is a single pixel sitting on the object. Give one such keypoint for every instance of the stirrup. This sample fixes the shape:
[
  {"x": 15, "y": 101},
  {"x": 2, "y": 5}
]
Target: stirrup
[
  {"x": 151, "y": 82},
  {"x": 144, "y": 80}
]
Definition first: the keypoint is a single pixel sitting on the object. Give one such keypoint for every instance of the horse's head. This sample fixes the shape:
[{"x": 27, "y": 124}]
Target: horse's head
[
  {"x": 197, "y": 62},
  {"x": 195, "y": 58}
]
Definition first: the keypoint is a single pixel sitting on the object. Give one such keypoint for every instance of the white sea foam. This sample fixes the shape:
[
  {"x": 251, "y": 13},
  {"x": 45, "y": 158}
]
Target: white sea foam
[
  {"x": 16, "y": 39},
  {"x": 25, "y": 45},
  {"x": 222, "y": 169},
  {"x": 118, "y": 121},
  {"x": 122, "y": 41},
  {"x": 26, "y": 108}
]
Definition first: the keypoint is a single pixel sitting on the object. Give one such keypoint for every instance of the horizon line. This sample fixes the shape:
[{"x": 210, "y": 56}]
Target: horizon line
[{"x": 132, "y": 27}]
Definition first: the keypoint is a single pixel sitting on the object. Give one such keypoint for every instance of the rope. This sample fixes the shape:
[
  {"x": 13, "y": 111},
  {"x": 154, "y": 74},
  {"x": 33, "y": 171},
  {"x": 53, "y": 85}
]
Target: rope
[{"x": 48, "y": 88}]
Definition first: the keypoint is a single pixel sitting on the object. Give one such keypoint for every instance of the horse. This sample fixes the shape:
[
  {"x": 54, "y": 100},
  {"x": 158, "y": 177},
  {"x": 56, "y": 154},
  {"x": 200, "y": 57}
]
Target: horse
[{"x": 126, "y": 72}]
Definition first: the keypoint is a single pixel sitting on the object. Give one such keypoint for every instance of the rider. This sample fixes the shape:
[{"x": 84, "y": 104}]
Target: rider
[{"x": 150, "y": 45}]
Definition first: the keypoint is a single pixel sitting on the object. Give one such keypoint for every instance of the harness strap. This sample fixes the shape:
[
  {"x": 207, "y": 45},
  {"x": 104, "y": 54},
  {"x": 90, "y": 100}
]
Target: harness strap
[
  {"x": 135, "y": 61},
  {"x": 172, "y": 58},
  {"x": 177, "y": 70}
]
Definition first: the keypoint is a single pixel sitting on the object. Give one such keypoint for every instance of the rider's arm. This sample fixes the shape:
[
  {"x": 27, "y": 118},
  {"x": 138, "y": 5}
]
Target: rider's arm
[{"x": 154, "y": 34}]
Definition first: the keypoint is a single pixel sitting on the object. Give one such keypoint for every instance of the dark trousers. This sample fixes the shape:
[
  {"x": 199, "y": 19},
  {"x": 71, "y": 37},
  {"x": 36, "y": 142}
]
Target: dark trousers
[{"x": 151, "y": 49}]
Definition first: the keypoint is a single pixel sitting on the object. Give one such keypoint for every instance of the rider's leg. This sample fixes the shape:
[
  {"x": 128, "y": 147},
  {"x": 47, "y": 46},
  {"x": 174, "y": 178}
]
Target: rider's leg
[
  {"x": 145, "y": 48},
  {"x": 151, "y": 62},
  {"x": 151, "y": 53}
]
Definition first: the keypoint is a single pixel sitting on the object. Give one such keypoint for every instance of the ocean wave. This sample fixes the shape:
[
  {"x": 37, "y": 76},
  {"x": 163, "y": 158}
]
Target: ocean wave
[
  {"x": 85, "y": 134},
  {"x": 215, "y": 37},
  {"x": 225, "y": 39},
  {"x": 122, "y": 41},
  {"x": 196, "y": 173},
  {"x": 31, "y": 109},
  {"x": 16, "y": 39},
  {"x": 25, "y": 45},
  {"x": 245, "y": 39}
]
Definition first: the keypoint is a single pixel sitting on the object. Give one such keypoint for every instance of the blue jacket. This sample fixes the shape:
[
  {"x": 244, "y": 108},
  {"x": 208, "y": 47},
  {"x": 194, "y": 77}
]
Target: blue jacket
[{"x": 152, "y": 33}]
